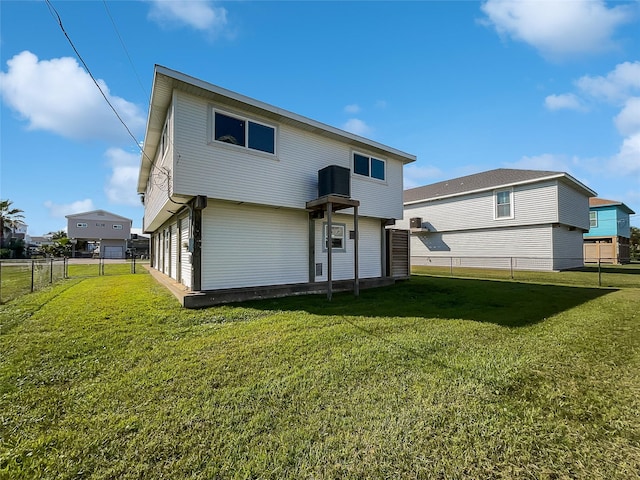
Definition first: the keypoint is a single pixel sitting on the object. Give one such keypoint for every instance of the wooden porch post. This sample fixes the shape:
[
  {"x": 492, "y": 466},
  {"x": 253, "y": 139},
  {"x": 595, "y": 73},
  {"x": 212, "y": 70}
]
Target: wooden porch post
[
  {"x": 356, "y": 280},
  {"x": 329, "y": 250}
]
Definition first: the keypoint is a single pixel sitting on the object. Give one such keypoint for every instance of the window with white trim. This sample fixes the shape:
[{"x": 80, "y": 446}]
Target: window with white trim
[
  {"x": 117, "y": 227},
  {"x": 369, "y": 166},
  {"x": 593, "y": 219},
  {"x": 504, "y": 204},
  {"x": 81, "y": 225},
  {"x": 244, "y": 132},
  {"x": 338, "y": 243}
]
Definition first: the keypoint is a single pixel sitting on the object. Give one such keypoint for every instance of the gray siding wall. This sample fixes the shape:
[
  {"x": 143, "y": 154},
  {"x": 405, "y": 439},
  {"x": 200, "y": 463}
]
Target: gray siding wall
[
  {"x": 288, "y": 179},
  {"x": 567, "y": 248},
  {"x": 532, "y": 204},
  {"x": 246, "y": 246},
  {"x": 573, "y": 207},
  {"x": 174, "y": 246},
  {"x": 490, "y": 248},
  {"x": 369, "y": 246},
  {"x": 160, "y": 182},
  {"x": 185, "y": 257},
  {"x": 98, "y": 228}
]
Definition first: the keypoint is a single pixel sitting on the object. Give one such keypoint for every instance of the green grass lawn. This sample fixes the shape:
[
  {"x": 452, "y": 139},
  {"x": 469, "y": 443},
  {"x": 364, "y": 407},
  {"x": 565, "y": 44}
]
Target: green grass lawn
[
  {"x": 107, "y": 377},
  {"x": 619, "y": 276}
]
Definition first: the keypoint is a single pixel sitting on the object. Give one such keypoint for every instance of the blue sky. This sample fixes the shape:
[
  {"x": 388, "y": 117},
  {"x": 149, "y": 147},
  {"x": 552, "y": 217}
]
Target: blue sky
[{"x": 464, "y": 86}]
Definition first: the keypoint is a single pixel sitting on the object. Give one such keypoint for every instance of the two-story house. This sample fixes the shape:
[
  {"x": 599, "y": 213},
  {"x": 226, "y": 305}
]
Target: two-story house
[
  {"x": 99, "y": 233},
  {"x": 609, "y": 235},
  {"x": 230, "y": 187},
  {"x": 503, "y": 218}
]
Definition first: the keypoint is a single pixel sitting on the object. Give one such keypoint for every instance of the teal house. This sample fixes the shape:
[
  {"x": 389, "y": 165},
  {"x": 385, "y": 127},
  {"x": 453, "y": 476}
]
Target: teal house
[{"x": 608, "y": 238}]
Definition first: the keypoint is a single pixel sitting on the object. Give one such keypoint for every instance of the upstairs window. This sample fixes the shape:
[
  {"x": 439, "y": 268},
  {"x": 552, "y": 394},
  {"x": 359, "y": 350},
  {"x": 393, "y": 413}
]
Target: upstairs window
[
  {"x": 117, "y": 227},
  {"x": 244, "y": 133},
  {"x": 593, "y": 219},
  {"x": 368, "y": 166},
  {"x": 81, "y": 225},
  {"x": 503, "y": 199}
]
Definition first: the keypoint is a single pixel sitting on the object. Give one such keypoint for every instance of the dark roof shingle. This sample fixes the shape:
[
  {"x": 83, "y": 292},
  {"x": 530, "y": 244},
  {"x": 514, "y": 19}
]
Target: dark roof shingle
[{"x": 500, "y": 177}]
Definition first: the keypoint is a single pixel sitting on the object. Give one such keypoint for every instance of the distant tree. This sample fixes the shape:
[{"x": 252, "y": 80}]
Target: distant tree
[
  {"x": 9, "y": 217},
  {"x": 635, "y": 242},
  {"x": 57, "y": 235},
  {"x": 61, "y": 245}
]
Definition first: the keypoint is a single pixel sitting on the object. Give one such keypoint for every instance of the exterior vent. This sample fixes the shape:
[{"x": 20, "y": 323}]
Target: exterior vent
[
  {"x": 334, "y": 180},
  {"x": 415, "y": 222}
]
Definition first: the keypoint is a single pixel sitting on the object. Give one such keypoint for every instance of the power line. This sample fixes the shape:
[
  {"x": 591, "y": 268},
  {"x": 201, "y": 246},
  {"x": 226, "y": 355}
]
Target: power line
[
  {"x": 124, "y": 47},
  {"x": 56, "y": 15}
]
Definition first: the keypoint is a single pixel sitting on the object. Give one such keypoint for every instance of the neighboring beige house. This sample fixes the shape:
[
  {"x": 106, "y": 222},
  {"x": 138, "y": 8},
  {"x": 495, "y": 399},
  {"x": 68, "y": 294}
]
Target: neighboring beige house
[
  {"x": 237, "y": 194},
  {"x": 99, "y": 233},
  {"x": 503, "y": 218}
]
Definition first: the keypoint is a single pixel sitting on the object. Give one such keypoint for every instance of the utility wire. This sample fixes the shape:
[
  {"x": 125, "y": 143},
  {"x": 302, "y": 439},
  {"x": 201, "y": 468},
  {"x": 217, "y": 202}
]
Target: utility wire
[
  {"x": 56, "y": 15},
  {"x": 124, "y": 47}
]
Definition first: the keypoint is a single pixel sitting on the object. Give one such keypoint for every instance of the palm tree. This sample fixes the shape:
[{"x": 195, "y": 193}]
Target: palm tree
[{"x": 9, "y": 217}]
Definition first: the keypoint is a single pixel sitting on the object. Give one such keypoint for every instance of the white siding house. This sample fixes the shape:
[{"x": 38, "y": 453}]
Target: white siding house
[
  {"x": 503, "y": 218},
  {"x": 226, "y": 181}
]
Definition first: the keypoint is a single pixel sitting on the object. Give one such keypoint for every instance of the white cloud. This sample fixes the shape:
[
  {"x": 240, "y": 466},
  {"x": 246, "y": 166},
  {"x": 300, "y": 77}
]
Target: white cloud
[
  {"x": 415, "y": 176},
  {"x": 627, "y": 161},
  {"x": 628, "y": 120},
  {"x": 381, "y": 104},
  {"x": 352, "y": 108},
  {"x": 59, "y": 96},
  {"x": 558, "y": 28},
  {"x": 198, "y": 14},
  {"x": 121, "y": 188},
  {"x": 616, "y": 86},
  {"x": 565, "y": 101},
  {"x": 58, "y": 210},
  {"x": 546, "y": 161},
  {"x": 357, "y": 126}
]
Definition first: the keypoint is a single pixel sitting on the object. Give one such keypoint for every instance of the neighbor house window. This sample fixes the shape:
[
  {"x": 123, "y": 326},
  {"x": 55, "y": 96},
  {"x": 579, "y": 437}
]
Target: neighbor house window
[
  {"x": 337, "y": 237},
  {"x": 243, "y": 132},
  {"x": 81, "y": 225},
  {"x": 368, "y": 166},
  {"x": 504, "y": 207},
  {"x": 99, "y": 224},
  {"x": 117, "y": 227},
  {"x": 593, "y": 219}
]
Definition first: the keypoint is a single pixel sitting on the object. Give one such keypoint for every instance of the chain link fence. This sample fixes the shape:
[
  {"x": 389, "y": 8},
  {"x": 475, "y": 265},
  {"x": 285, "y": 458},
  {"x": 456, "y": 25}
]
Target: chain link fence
[
  {"x": 561, "y": 270},
  {"x": 18, "y": 277}
]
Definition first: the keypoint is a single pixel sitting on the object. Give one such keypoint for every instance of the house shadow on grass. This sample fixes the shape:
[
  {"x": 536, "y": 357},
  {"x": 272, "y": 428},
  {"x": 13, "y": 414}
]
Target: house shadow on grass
[{"x": 509, "y": 304}]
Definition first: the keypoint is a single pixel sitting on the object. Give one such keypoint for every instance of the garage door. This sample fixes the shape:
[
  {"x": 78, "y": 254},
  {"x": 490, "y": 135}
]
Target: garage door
[{"x": 113, "y": 252}]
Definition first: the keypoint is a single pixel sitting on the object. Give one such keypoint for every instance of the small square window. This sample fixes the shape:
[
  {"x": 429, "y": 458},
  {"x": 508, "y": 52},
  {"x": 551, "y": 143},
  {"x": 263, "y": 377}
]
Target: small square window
[
  {"x": 262, "y": 137},
  {"x": 229, "y": 129},
  {"x": 593, "y": 219},
  {"x": 337, "y": 237},
  {"x": 360, "y": 164}
]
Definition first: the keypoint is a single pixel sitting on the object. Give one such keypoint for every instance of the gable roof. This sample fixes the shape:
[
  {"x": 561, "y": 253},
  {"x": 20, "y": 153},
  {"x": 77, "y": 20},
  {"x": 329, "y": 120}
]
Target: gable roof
[
  {"x": 489, "y": 180},
  {"x": 98, "y": 215},
  {"x": 166, "y": 80},
  {"x": 596, "y": 202}
]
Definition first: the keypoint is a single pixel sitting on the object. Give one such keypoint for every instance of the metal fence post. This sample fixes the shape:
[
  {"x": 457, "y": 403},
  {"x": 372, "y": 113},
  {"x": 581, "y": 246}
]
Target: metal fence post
[
  {"x": 511, "y": 266},
  {"x": 451, "y": 266},
  {"x": 599, "y": 274},
  {"x": 33, "y": 267},
  {"x": 0, "y": 282},
  {"x": 51, "y": 272}
]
